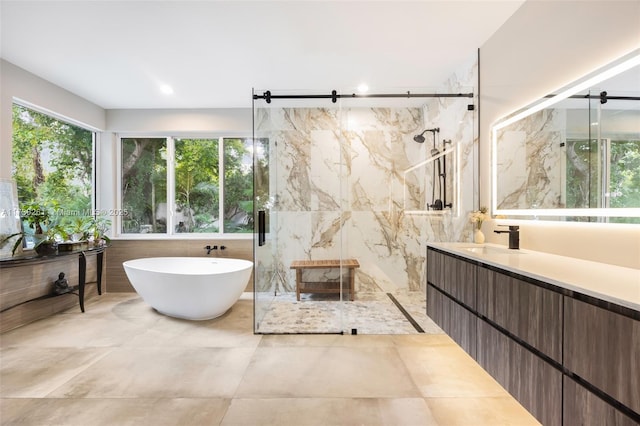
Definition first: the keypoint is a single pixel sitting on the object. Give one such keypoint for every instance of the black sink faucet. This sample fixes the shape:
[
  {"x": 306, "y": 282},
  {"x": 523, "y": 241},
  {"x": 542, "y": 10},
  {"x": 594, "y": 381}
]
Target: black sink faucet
[{"x": 514, "y": 236}]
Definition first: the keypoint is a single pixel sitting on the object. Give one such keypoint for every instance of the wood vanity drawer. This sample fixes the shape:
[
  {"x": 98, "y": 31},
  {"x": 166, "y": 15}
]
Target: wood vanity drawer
[
  {"x": 603, "y": 348},
  {"x": 454, "y": 276},
  {"x": 582, "y": 407},
  {"x": 535, "y": 383},
  {"x": 435, "y": 268},
  {"x": 456, "y": 321},
  {"x": 530, "y": 312}
]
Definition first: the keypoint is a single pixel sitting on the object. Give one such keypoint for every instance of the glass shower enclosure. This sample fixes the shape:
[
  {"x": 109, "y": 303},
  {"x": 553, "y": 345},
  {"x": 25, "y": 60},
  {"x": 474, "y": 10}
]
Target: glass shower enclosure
[{"x": 347, "y": 195}]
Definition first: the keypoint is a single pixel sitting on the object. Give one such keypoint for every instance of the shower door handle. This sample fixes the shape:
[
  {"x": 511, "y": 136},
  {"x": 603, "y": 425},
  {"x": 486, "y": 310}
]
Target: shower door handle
[{"x": 261, "y": 228}]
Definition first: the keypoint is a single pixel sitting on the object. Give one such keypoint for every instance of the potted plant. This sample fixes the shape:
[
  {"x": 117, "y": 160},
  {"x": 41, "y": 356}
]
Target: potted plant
[
  {"x": 75, "y": 234},
  {"x": 38, "y": 218},
  {"x": 98, "y": 228}
]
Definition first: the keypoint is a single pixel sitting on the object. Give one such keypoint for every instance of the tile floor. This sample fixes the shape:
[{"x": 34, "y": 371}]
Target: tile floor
[
  {"x": 121, "y": 363},
  {"x": 370, "y": 313}
]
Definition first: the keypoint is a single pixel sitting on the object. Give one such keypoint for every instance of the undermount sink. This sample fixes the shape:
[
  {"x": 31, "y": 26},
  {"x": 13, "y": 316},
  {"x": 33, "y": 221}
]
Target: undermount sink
[{"x": 491, "y": 250}]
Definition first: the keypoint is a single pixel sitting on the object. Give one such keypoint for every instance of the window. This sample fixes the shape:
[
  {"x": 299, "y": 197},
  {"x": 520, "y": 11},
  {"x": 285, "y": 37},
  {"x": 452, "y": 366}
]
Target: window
[
  {"x": 197, "y": 185},
  {"x": 173, "y": 185},
  {"x": 144, "y": 185},
  {"x": 52, "y": 164},
  {"x": 238, "y": 185}
]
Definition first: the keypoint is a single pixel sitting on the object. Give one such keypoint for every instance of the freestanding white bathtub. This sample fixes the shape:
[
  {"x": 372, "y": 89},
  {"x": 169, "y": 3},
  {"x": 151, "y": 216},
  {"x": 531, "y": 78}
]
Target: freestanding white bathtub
[{"x": 195, "y": 288}]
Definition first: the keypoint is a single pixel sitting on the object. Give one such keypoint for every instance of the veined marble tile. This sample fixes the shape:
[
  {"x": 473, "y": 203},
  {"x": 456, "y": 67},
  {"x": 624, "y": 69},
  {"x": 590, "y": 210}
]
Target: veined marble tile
[{"x": 341, "y": 188}]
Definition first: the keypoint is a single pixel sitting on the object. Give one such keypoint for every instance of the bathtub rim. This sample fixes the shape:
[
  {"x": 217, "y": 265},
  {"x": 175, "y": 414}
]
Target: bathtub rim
[{"x": 248, "y": 264}]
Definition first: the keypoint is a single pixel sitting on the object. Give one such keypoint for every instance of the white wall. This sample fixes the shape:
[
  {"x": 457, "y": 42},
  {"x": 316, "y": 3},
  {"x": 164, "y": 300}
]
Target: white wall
[
  {"x": 542, "y": 47},
  {"x": 232, "y": 121},
  {"x": 16, "y": 83}
]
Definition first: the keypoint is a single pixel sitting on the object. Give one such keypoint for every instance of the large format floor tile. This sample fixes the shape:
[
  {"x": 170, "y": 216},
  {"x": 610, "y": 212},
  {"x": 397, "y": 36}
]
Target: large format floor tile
[
  {"x": 334, "y": 371},
  {"x": 329, "y": 411},
  {"x": 114, "y": 411},
  {"x": 161, "y": 373},
  {"x": 447, "y": 371},
  {"x": 480, "y": 412},
  {"x": 36, "y": 372},
  {"x": 122, "y": 363}
]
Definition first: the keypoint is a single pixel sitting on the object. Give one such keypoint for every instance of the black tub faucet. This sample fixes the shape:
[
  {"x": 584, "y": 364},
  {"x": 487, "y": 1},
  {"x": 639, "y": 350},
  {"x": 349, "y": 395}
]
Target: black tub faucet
[
  {"x": 514, "y": 236},
  {"x": 209, "y": 248}
]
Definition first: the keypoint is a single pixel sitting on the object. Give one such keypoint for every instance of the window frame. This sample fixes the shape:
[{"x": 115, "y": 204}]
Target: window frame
[
  {"x": 171, "y": 234},
  {"x": 95, "y": 143}
]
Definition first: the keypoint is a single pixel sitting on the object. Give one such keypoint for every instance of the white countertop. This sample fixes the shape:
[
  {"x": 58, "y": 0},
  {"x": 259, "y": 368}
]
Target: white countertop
[{"x": 611, "y": 283}]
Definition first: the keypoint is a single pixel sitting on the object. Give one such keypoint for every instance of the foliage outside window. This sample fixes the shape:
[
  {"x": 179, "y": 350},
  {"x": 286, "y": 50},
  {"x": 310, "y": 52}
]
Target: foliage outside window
[
  {"x": 174, "y": 185},
  {"x": 144, "y": 185},
  {"x": 624, "y": 188},
  {"x": 238, "y": 185},
  {"x": 594, "y": 182},
  {"x": 52, "y": 164}
]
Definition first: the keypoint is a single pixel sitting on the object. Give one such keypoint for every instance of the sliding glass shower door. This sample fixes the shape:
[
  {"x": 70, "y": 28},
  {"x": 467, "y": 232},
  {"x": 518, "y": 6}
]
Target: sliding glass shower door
[{"x": 300, "y": 281}]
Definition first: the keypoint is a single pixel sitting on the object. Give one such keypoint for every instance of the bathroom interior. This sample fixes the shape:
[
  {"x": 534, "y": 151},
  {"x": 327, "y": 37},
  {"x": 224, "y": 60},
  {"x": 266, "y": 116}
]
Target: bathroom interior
[{"x": 379, "y": 179}]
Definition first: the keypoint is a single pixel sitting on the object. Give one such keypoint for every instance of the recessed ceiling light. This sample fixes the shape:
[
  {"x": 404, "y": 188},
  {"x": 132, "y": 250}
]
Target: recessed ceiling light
[
  {"x": 363, "y": 88},
  {"x": 166, "y": 89}
]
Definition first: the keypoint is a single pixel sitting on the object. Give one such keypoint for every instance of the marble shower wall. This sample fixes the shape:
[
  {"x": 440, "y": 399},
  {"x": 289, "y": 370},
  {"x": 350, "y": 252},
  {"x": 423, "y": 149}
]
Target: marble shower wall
[{"x": 337, "y": 188}]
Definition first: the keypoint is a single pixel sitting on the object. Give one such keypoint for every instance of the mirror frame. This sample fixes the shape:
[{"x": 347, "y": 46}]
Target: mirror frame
[{"x": 622, "y": 64}]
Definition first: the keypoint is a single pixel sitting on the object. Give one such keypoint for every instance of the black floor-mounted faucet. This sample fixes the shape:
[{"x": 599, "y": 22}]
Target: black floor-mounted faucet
[{"x": 514, "y": 236}]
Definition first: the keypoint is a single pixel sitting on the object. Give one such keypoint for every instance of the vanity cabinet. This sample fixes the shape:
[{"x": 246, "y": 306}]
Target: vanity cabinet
[
  {"x": 525, "y": 310},
  {"x": 566, "y": 357},
  {"x": 603, "y": 348}
]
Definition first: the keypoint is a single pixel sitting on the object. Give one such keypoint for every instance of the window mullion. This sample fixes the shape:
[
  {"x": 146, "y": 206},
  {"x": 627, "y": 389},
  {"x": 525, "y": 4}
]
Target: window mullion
[
  {"x": 119, "y": 219},
  {"x": 95, "y": 166},
  {"x": 221, "y": 184},
  {"x": 171, "y": 184}
]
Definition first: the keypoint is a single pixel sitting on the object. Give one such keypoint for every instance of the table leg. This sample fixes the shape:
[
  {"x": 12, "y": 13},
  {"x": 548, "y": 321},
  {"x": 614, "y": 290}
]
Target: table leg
[
  {"x": 99, "y": 259},
  {"x": 351, "y": 283},
  {"x": 82, "y": 275},
  {"x": 298, "y": 283}
]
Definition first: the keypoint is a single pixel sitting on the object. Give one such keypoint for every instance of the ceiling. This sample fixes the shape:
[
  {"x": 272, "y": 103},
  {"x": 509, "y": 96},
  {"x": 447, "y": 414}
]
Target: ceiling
[{"x": 117, "y": 54}]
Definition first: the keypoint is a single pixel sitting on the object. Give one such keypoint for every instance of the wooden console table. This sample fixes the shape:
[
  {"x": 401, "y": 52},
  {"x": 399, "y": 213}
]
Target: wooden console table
[
  {"x": 321, "y": 287},
  {"x": 25, "y": 287}
]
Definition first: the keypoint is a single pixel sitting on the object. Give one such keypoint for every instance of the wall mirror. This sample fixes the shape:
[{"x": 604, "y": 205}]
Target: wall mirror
[{"x": 575, "y": 154}]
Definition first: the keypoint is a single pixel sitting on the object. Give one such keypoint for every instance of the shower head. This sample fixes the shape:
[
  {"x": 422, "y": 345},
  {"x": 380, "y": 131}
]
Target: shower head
[{"x": 420, "y": 138}]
